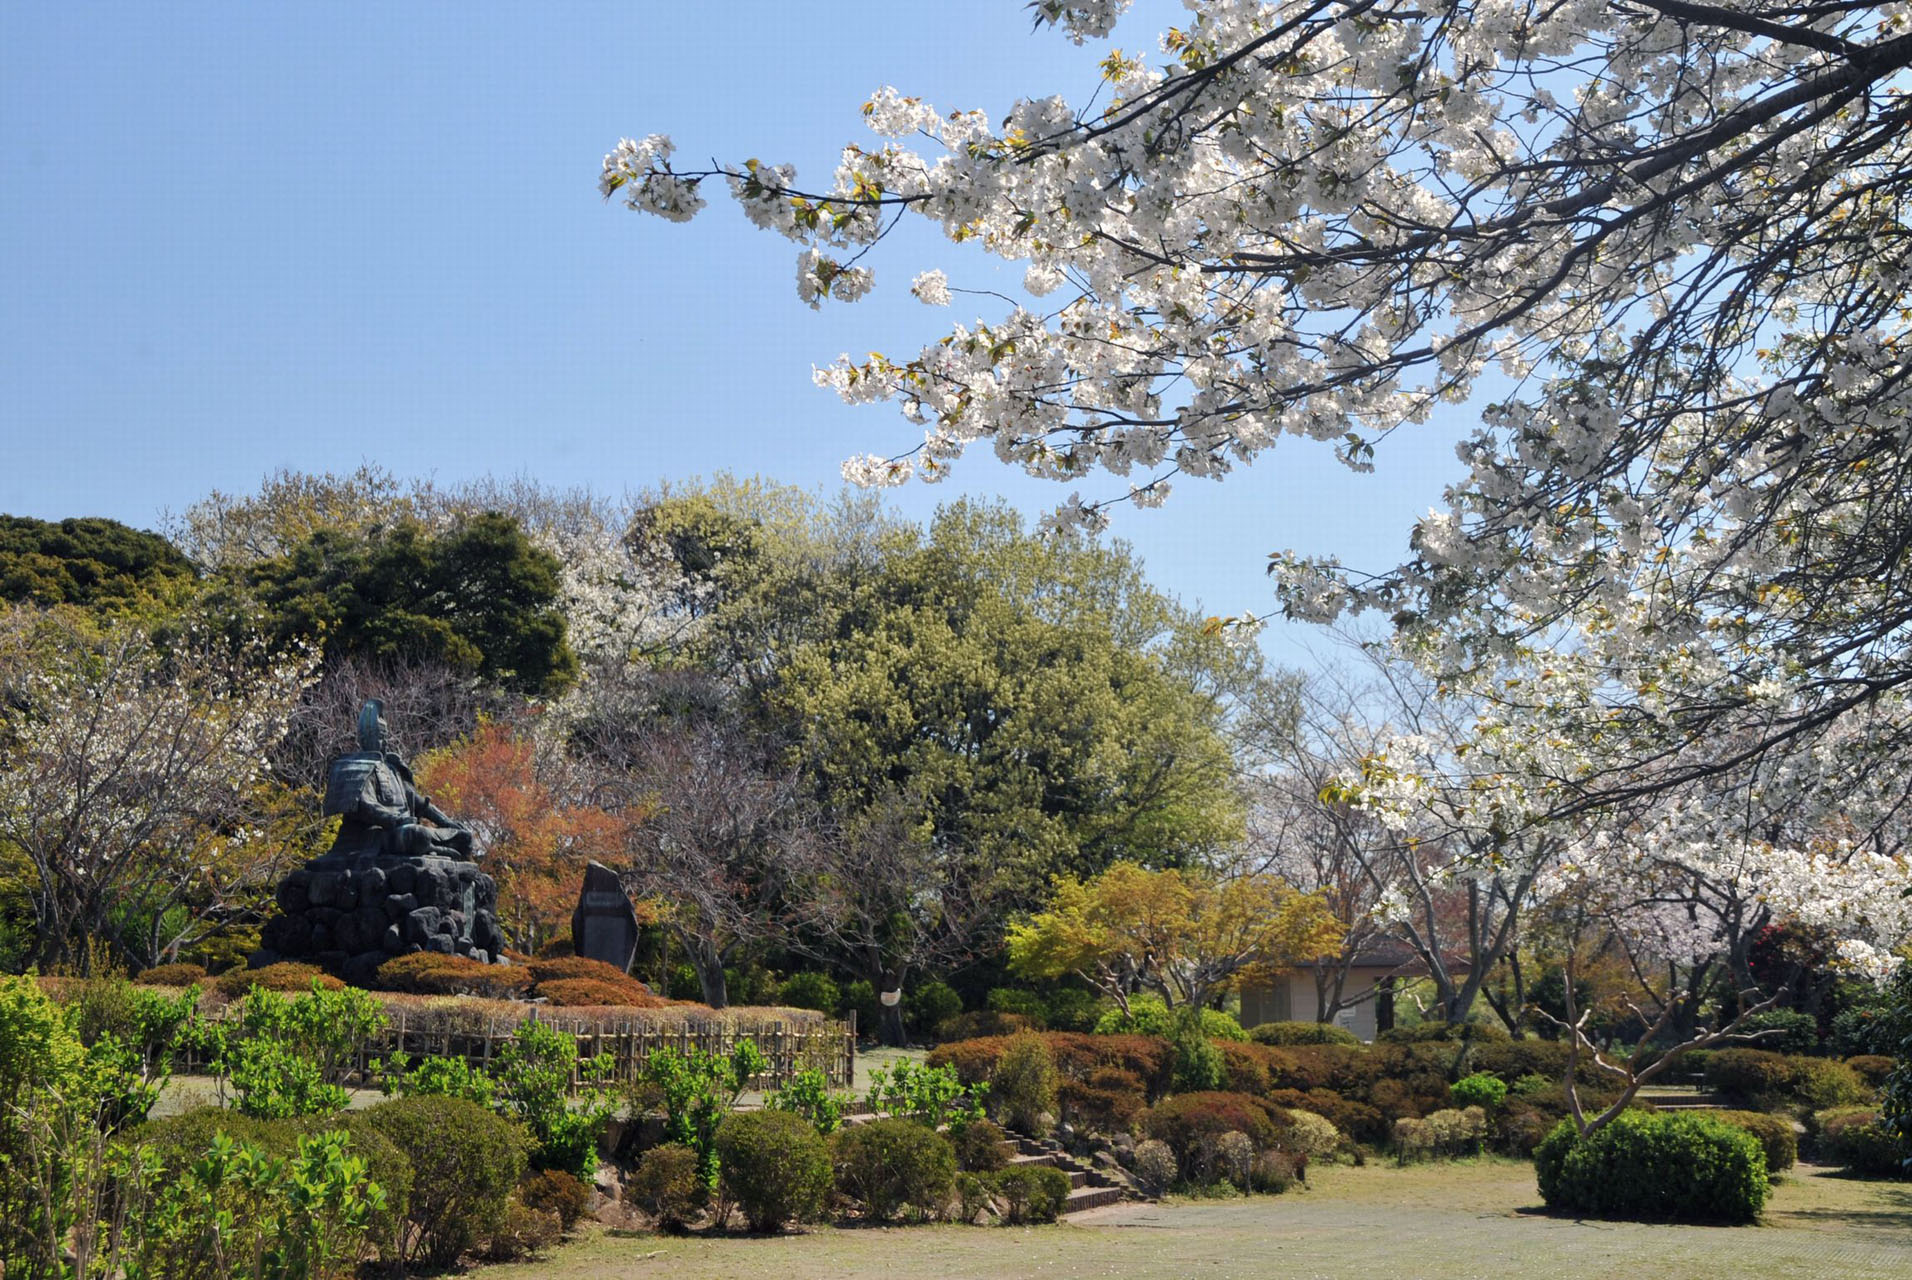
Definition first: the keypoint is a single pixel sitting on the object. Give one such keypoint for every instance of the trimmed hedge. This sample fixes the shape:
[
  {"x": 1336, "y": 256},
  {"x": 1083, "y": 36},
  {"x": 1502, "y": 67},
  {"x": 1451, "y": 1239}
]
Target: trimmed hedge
[
  {"x": 1031, "y": 1193},
  {"x": 287, "y": 975},
  {"x": 1287, "y": 1033},
  {"x": 1775, "y": 1135},
  {"x": 171, "y": 975},
  {"x": 775, "y": 1167},
  {"x": 430, "y": 973},
  {"x": 1855, "y": 1139},
  {"x": 465, "y": 1162},
  {"x": 1665, "y": 1167},
  {"x": 1192, "y": 1124}
]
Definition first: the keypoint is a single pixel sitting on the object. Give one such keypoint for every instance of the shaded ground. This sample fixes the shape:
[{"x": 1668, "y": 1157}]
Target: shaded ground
[{"x": 1427, "y": 1222}]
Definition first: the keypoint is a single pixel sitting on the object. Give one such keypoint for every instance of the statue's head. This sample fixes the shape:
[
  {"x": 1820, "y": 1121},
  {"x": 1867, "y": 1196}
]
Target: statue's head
[{"x": 371, "y": 726}]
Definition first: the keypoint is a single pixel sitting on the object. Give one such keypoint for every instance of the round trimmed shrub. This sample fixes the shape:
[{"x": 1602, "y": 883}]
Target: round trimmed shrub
[
  {"x": 890, "y": 1165},
  {"x": 1654, "y": 1167},
  {"x": 1479, "y": 1090},
  {"x": 1873, "y": 1068},
  {"x": 980, "y": 1147},
  {"x": 1192, "y": 1124},
  {"x": 1155, "y": 1165},
  {"x": 1286, "y": 1033},
  {"x": 1032, "y": 1193},
  {"x": 1750, "y": 1079},
  {"x": 1444, "y": 1032},
  {"x": 1023, "y": 1089},
  {"x": 1274, "y": 1172},
  {"x": 1775, "y": 1135},
  {"x": 555, "y": 1191},
  {"x": 171, "y": 975},
  {"x": 810, "y": 991},
  {"x": 465, "y": 1162},
  {"x": 668, "y": 1186},
  {"x": 287, "y": 975},
  {"x": 1783, "y": 1031},
  {"x": 583, "y": 992},
  {"x": 1822, "y": 1083},
  {"x": 1856, "y": 1139},
  {"x": 775, "y": 1167},
  {"x": 432, "y": 973},
  {"x": 1310, "y": 1135}
]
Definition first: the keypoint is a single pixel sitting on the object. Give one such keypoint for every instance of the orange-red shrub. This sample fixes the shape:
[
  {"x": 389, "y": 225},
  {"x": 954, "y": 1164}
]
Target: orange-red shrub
[
  {"x": 171, "y": 975},
  {"x": 430, "y": 973}
]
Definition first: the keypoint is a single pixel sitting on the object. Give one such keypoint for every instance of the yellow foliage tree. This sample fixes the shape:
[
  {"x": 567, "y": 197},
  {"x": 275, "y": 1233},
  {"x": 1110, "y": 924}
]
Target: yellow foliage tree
[{"x": 1181, "y": 934}]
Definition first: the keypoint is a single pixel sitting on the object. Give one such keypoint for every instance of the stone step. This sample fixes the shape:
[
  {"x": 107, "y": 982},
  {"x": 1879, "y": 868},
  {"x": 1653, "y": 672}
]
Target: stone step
[{"x": 1085, "y": 1198}]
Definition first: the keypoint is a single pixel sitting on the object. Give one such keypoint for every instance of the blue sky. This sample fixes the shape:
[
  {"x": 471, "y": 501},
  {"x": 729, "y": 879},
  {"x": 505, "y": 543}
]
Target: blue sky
[{"x": 240, "y": 237}]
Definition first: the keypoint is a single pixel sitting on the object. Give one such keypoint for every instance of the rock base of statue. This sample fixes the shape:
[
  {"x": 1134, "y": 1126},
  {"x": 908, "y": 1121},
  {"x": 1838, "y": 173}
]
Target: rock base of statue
[{"x": 351, "y": 914}]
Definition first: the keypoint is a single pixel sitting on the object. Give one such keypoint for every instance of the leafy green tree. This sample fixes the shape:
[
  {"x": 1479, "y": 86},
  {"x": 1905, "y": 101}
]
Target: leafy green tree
[
  {"x": 89, "y": 561},
  {"x": 479, "y": 598}
]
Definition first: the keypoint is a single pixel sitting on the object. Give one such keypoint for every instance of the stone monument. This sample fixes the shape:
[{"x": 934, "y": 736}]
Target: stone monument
[
  {"x": 604, "y": 926},
  {"x": 401, "y": 876}
]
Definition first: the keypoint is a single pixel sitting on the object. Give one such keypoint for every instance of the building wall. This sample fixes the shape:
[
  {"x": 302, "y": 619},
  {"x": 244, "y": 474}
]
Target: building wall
[{"x": 1291, "y": 998}]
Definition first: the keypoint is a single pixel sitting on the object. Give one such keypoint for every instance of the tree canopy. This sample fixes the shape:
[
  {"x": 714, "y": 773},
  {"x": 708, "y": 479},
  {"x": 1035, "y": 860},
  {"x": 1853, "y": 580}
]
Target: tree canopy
[{"x": 86, "y": 561}]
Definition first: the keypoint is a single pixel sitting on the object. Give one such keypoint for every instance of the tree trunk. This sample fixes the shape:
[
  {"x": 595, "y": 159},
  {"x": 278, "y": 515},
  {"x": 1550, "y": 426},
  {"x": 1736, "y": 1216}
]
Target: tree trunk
[
  {"x": 889, "y": 1017},
  {"x": 709, "y": 963}
]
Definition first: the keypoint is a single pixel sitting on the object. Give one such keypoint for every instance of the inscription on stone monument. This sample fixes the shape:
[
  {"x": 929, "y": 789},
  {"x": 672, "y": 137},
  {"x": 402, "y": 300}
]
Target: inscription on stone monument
[{"x": 604, "y": 926}]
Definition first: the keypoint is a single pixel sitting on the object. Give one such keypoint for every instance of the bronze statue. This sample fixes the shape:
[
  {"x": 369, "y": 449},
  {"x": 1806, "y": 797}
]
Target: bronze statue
[{"x": 373, "y": 791}]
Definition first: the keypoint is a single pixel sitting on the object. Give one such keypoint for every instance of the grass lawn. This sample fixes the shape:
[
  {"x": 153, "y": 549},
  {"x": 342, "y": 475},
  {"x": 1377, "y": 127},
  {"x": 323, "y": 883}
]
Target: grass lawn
[{"x": 1425, "y": 1222}]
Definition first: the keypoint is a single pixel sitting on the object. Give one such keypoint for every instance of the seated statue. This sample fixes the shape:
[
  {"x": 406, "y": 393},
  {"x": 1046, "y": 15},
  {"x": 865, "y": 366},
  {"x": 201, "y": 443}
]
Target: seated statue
[{"x": 373, "y": 792}]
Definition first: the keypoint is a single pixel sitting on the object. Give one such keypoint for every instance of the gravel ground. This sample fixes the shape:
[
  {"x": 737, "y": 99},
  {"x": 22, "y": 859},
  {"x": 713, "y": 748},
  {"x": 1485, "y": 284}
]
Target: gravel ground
[{"x": 1428, "y": 1222}]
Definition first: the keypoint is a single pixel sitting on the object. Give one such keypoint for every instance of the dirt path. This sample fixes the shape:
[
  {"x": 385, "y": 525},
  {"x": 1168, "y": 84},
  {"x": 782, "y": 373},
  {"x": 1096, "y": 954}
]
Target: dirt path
[{"x": 1430, "y": 1222}]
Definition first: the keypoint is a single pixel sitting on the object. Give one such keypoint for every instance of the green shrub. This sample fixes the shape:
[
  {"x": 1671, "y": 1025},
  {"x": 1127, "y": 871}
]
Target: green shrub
[
  {"x": 1199, "y": 1066},
  {"x": 237, "y": 1211},
  {"x": 1023, "y": 1090},
  {"x": 176, "y": 1141},
  {"x": 1775, "y": 1135},
  {"x": 1444, "y": 1033},
  {"x": 980, "y": 1147},
  {"x": 1857, "y": 1139},
  {"x": 1822, "y": 1083},
  {"x": 698, "y": 1089},
  {"x": 556, "y": 1191},
  {"x": 1863, "y": 1030},
  {"x": 807, "y": 1093},
  {"x": 1666, "y": 1167},
  {"x": 289, "y": 1055},
  {"x": 1032, "y": 1193},
  {"x": 859, "y": 998},
  {"x": 669, "y": 1185},
  {"x": 533, "y": 1072},
  {"x": 975, "y": 1196},
  {"x": 1479, "y": 1090},
  {"x": 810, "y": 991},
  {"x": 1285, "y": 1033},
  {"x": 1872, "y": 1068},
  {"x": 933, "y": 1096},
  {"x": 435, "y": 1077},
  {"x": 1783, "y": 1031},
  {"x": 1148, "y": 1016},
  {"x": 1028, "y": 1005},
  {"x": 893, "y": 1164},
  {"x": 774, "y": 1166},
  {"x": 1071, "y": 1009},
  {"x": 465, "y": 1162},
  {"x": 929, "y": 1006},
  {"x": 1309, "y": 1135},
  {"x": 1750, "y": 1079}
]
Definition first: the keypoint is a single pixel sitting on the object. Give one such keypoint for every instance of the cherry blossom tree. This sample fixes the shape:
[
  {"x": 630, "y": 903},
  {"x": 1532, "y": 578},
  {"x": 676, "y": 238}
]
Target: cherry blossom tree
[
  {"x": 132, "y": 780},
  {"x": 1658, "y": 248}
]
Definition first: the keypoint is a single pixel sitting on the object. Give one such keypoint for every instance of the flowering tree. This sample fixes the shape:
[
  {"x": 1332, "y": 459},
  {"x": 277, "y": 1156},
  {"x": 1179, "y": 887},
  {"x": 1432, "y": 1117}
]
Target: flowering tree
[
  {"x": 131, "y": 780},
  {"x": 1675, "y": 228}
]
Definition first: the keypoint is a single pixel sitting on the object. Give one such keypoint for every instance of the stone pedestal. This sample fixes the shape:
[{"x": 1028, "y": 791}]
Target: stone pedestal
[{"x": 350, "y": 914}]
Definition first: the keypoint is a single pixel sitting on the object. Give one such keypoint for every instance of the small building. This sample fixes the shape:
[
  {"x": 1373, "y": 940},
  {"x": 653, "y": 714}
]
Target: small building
[{"x": 1290, "y": 996}]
